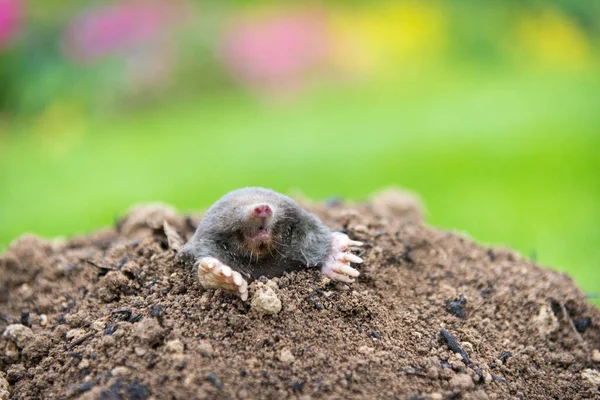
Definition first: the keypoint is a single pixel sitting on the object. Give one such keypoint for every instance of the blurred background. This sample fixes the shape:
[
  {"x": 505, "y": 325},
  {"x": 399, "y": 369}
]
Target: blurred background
[{"x": 490, "y": 111}]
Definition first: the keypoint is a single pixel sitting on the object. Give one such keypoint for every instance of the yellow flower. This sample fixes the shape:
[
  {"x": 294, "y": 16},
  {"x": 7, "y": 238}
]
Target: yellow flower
[
  {"x": 386, "y": 36},
  {"x": 553, "y": 39}
]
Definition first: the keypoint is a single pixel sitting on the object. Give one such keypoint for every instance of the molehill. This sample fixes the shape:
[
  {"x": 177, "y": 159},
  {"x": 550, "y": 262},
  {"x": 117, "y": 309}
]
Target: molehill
[{"x": 432, "y": 316}]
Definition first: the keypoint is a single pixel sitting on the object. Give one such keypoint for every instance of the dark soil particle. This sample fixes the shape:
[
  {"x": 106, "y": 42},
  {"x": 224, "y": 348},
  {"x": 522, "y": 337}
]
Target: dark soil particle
[
  {"x": 456, "y": 307},
  {"x": 455, "y": 346},
  {"x": 114, "y": 315},
  {"x": 582, "y": 324}
]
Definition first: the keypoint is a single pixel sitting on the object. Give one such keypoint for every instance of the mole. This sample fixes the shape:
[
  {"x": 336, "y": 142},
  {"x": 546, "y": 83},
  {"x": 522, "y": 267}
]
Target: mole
[{"x": 253, "y": 232}]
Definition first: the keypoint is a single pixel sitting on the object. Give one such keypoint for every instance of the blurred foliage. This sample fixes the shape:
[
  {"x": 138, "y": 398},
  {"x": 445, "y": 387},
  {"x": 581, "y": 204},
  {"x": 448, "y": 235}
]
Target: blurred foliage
[
  {"x": 491, "y": 111},
  {"x": 106, "y": 55}
]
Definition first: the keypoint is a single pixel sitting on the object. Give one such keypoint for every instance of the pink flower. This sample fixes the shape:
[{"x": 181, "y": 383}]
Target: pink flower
[
  {"x": 118, "y": 28},
  {"x": 10, "y": 20},
  {"x": 276, "y": 50}
]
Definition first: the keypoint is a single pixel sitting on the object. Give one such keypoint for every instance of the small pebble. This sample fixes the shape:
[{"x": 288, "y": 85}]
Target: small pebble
[
  {"x": 19, "y": 334},
  {"x": 140, "y": 351},
  {"x": 265, "y": 301},
  {"x": 120, "y": 371},
  {"x": 286, "y": 356},
  {"x": 596, "y": 355},
  {"x": 592, "y": 376}
]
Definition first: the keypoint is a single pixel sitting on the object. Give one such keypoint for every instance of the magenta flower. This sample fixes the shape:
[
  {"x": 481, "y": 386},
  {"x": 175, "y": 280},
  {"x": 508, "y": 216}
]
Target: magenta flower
[
  {"x": 11, "y": 12},
  {"x": 275, "y": 51},
  {"x": 118, "y": 28}
]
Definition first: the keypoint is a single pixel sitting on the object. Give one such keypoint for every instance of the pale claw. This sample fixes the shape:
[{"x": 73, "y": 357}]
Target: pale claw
[
  {"x": 354, "y": 243},
  {"x": 342, "y": 242},
  {"x": 352, "y": 258},
  {"x": 346, "y": 270},
  {"x": 337, "y": 266},
  {"x": 340, "y": 277},
  {"x": 213, "y": 274}
]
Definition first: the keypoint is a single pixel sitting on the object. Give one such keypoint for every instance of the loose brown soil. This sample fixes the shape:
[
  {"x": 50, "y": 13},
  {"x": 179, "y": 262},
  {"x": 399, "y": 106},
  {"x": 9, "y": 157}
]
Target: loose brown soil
[{"x": 433, "y": 315}]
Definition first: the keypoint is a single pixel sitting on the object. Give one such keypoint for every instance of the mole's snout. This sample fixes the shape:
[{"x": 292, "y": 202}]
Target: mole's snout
[{"x": 262, "y": 211}]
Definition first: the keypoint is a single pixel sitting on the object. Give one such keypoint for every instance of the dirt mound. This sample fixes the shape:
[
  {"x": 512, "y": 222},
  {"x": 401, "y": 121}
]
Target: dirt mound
[{"x": 433, "y": 315}]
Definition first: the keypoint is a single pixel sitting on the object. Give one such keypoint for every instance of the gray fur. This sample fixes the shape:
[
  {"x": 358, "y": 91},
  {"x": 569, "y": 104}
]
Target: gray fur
[{"x": 299, "y": 238}]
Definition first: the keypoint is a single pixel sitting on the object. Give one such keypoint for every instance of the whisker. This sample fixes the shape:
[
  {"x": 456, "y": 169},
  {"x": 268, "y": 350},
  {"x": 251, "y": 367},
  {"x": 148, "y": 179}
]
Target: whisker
[
  {"x": 280, "y": 244},
  {"x": 250, "y": 262},
  {"x": 305, "y": 258},
  {"x": 275, "y": 248}
]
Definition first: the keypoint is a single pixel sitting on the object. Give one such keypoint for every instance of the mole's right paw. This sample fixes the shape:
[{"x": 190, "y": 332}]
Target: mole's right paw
[
  {"x": 337, "y": 266},
  {"x": 213, "y": 274}
]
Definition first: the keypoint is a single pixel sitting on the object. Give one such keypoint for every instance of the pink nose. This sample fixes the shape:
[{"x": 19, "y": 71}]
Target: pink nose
[{"x": 262, "y": 211}]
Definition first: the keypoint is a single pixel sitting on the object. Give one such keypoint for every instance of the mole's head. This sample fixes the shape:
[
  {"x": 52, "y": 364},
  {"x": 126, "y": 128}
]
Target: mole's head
[{"x": 254, "y": 221}]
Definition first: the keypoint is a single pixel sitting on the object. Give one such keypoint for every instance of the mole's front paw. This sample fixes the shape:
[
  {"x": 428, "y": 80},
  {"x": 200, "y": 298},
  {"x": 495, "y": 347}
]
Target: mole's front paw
[
  {"x": 213, "y": 274},
  {"x": 337, "y": 266}
]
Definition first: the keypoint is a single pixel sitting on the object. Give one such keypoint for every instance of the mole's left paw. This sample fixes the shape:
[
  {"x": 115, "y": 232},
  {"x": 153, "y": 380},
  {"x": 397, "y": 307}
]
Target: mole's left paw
[
  {"x": 213, "y": 274},
  {"x": 337, "y": 266}
]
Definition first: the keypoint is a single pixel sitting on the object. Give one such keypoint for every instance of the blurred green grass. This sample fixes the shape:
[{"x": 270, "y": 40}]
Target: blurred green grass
[{"x": 509, "y": 159}]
